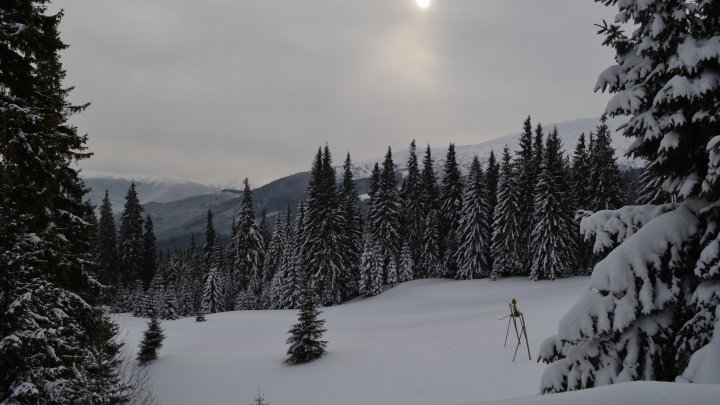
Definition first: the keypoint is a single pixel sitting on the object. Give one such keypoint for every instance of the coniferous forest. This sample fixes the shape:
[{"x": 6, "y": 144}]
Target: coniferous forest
[{"x": 644, "y": 242}]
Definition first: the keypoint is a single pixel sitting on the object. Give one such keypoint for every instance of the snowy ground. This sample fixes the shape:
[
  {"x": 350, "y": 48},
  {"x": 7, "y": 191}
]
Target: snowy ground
[{"x": 424, "y": 342}]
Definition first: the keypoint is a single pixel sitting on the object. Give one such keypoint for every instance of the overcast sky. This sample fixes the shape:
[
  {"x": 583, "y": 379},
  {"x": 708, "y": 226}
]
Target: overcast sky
[{"x": 209, "y": 89}]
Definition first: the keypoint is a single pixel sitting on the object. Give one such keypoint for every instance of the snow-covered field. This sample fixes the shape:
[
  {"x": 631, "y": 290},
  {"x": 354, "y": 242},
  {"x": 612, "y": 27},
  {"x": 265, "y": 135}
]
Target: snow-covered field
[{"x": 423, "y": 342}]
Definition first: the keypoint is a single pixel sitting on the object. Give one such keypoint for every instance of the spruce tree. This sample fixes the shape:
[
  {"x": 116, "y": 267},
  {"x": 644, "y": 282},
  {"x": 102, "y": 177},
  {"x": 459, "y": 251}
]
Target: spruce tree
[
  {"x": 605, "y": 181},
  {"x": 151, "y": 343},
  {"x": 130, "y": 241},
  {"x": 526, "y": 175},
  {"x": 57, "y": 345},
  {"x": 292, "y": 271},
  {"x": 210, "y": 236},
  {"x": 581, "y": 195},
  {"x": 351, "y": 229},
  {"x": 213, "y": 295},
  {"x": 407, "y": 265},
  {"x": 375, "y": 269},
  {"x": 323, "y": 250},
  {"x": 429, "y": 194},
  {"x": 149, "y": 262},
  {"x": 249, "y": 249},
  {"x": 305, "y": 336},
  {"x": 430, "y": 264},
  {"x": 450, "y": 207},
  {"x": 474, "y": 228},
  {"x": 107, "y": 259},
  {"x": 553, "y": 237},
  {"x": 506, "y": 245},
  {"x": 275, "y": 250},
  {"x": 649, "y": 306},
  {"x": 413, "y": 217},
  {"x": 385, "y": 215},
  {"x": 492, "y": 176}
]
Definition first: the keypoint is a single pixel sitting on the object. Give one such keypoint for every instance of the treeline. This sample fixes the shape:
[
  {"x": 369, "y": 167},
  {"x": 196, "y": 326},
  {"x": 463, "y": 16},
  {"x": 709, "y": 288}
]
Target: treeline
[{"x": 513, "y": 216}]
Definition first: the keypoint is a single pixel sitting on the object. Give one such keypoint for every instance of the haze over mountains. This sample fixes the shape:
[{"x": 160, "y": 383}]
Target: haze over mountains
[{"x": 179, "y": 206}]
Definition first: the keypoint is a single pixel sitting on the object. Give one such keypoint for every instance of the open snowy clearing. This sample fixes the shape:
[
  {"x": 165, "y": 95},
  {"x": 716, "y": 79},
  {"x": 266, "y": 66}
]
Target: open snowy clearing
[{"x": 423, "y": 342}]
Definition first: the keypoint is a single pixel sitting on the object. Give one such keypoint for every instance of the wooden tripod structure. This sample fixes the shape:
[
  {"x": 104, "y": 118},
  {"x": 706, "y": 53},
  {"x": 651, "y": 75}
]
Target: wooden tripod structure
[{"x": 514, "y": 317}]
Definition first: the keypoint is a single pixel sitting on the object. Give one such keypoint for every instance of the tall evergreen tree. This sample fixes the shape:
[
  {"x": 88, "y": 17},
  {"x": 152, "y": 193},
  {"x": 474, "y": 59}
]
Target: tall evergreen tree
[
  {"x": 107, "y": 258},
  {"x": 506, "y": 238},
  {"x": 385, "y": 217},
  {"x": 492, "y": 176},
  {"x": 130, "y": 241},
  {"x": 526, "y": 175},
  {"x": 413, "y": 217},
  {"x": 650, "y": 304},
  {"x": 429, "y": 194},
  {"x": 581, "y": 195},
  {"x": 213, "y": 295},
  {"x": 553, "y": 237},
  {"x": 407, "y": 265},
  {"x": 323, "y": 250},
  {"x": 605, "y": 181},
  {"x": 249, "y": 249},
  {"x": 474, "y": 228},
  {"x": 431, "y": 265},
  {"x": 57, "y": 345},
  {"x": 210, "y": 236},
  {"x": 352, "y": 230},
  {"x": 305, "y": 336},
  {"x": 150, "y": 257},
  {"x": 450, "y": 207},
  {"x": 292, "y": 272}
]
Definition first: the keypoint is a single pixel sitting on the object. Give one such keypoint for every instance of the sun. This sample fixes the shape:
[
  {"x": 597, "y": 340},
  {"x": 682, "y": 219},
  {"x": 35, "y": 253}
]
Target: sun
[{"x": 423, "y": 3}]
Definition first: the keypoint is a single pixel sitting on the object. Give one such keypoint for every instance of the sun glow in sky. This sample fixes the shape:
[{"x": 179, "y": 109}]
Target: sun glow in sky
[{"x": 423, "y": 3}]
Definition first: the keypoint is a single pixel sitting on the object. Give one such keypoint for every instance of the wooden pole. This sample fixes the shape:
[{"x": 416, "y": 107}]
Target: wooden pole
[{"x": 527, "y": 341}]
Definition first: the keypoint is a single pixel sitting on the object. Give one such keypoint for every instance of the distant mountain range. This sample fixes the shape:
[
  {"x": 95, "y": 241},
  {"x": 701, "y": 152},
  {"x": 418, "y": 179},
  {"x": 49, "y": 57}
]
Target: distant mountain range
[{"x": 179, "y": 206}]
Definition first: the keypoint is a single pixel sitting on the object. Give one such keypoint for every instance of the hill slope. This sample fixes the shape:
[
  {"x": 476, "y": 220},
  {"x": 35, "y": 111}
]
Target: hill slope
[{"x": 423, "y": 342}]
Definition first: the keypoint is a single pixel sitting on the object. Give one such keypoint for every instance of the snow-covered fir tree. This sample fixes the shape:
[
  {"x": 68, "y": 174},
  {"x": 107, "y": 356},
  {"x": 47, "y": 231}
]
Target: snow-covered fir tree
[
  {"x": 323, "y": 245},
  {"x": 506, "y": 237},
  {"x": 107, "y": 258},
  {"x": 413, "y": 217},
  {"x": 526, "y": 173},
  {"x": 430, "y": 264},
  {"x": 430, "y": 196},
  {"x": 130, "y": 239},
  {"x": 605, "y": 181},
  {"x": 450, "y": 207},
  {"x": 292, "y": 274},
  {"x": 492, "y": 177},
  {"x": 210, "y": 236},
  {"x": 150, "y": 257},
  {"x": 213, "y": 295},
  {"x": 407, "y": 265},
  {"x": 57, "y": 345},
  {"x": 351, "y": 230},
  {"x": 473, "y": 253},
  {"x": 385, "y": 215},
  {"x": 305, "y": 339},
  {"x": 581, "y": 195},
  {"x": 249, "y": 249},
  {"x": 651, "y": 303},
  {"x": 552, "y": 241},
  {"x": 374, "y": 269},
  {"x": 152, "y": 342}
]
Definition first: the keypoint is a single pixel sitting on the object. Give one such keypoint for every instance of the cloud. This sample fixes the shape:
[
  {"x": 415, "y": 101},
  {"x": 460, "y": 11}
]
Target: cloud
[{"x": 221, "y": 88}]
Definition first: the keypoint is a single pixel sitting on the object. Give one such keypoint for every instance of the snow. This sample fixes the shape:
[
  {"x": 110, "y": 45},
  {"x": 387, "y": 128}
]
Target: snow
[
  {"x": 422, "y": 342},
  {"x": 704, "y": 367}
]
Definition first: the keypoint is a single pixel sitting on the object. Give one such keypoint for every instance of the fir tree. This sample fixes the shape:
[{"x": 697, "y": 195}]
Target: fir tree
[
  {"x": 210, "y": 236},
  {"x": 450, "y": 206},
  {"x": 492, "y": 176},
  {"x": 526, "y": 172},
  {"x": 249, "y": 249},
  {"x": 149, "y": 262},
  {"x": 413, "y": 217},
  {"x": 430, "y": 265},
  {"x": 385, "y": 215},
  {"x": 407, "y": 265},
  {"x": 581, "y": 198},
  {"x": 647, "y": 309},
  {"x": 57, "y": 345},
  {"x": 213, "y": 294},
  {"x": 506, "y": 237},
  {"x": 323, "y": 250},
  {"x": 605, "y": 180},
  {"x": 305, "y": 336},
  {"x": 151, "y": 343},
  {"x": 474, "y": 228},
  {"x": 130, "y": 241},
  {"x": 553, "y": 237},
  {"x": 292, "y": 270},
  {"x": 107, "y": 258},
  {"x": 374, "y": 269},
  {"x": 351, "y": 229},
  {"x": 429, "y": 193}
]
